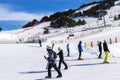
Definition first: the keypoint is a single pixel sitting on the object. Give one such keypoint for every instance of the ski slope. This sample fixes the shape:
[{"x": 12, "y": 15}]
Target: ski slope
[
  {"x": 37, "y": 30},
  {"x": 25, "y": 61}
]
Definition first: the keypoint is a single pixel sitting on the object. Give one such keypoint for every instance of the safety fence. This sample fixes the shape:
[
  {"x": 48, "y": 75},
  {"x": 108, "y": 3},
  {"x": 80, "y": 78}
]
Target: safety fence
[
  {"x": 109, "y": 41},
  {"x": 90, "y": 44}
]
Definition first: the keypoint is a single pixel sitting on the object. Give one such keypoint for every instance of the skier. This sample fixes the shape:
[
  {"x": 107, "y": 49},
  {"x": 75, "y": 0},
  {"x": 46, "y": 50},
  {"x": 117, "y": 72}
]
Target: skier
[
  {"x": 52, "y": 62},
  {"x": 68, "y": 49},
  {"x": 106, "y": 51},
  {"x": 80, "y": 50},
  {"x": 60, "y": 53},
  {"x": 52, "y": 45},
  {"x": 39, "y": 41},
  {"x": 100, "y": 50}
]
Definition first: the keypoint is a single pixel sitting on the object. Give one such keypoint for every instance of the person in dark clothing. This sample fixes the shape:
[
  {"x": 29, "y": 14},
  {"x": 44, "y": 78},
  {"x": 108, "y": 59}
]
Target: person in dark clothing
[
  {"x": 60, "y": 53},
  {"x": 100, "y": 49},
  {"x": 39, "y": 41},
  {"x": 80, "y": 50},
  {"x": 52, "y": 45},
  {"x": 106, "y": 51},
  {"x": 52, "y": 62}
]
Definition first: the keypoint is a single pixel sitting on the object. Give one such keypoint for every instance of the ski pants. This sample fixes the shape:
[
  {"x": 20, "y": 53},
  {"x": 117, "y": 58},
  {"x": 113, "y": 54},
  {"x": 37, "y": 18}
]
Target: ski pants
[
  {"x": 106, "y": 56},
  {"x": 55, "y": 67},
  {"x": 100, "y": 54},
  {"x": 68, "y": 52},
  {"x": 62, "y": 61},
  {"x": 80, "y": 52}
]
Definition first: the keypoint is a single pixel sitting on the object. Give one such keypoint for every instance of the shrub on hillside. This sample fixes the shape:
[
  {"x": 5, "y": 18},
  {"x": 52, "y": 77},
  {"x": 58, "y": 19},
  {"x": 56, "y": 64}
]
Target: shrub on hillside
[{"x": 63, "y": 21}]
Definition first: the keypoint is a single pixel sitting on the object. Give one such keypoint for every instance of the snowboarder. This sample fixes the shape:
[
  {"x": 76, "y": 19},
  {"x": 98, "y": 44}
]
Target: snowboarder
[
  {"x": 60, "y": 53},
  {"x": 68, "y": 49},
  {"x": 52, "y": 62},
  {"x": 100, "y": 50},
  {"x": 80, "y": 50},
  {"x": 106, "y": 51},
  {"x": 39, "y": 41}
]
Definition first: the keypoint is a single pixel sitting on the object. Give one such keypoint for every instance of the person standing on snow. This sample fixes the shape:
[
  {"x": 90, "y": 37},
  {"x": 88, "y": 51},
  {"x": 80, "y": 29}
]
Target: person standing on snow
[
  {"x": 80, "y": 50},
  {"x": 68, "y": 49},
  {"x": 52, "y": 62},
  {"x": 53, "y": 45},
  {"x": 100, "y": 49},
  {"x": 60, "y": 53},
  {"x": 106, "y": 51},
  {"x": 39, "y": 41}
]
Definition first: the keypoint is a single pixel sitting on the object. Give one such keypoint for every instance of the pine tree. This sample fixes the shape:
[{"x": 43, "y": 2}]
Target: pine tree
[
  {"x": 119, "y": 16},
  {"x": 115, "y": 17},
  {"x": 79, "y": 22},
  {"x": 84, "y": 22}
]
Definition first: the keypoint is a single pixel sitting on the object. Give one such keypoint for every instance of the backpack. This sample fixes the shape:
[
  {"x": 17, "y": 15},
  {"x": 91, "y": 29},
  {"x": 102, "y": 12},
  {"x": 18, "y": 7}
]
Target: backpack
[
  {"x": 52, "y": 57},
  {"x": 54, "y": 54}
]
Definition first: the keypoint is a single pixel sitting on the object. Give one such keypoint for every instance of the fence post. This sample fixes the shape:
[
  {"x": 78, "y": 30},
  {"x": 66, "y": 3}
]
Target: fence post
[
  {"x": 115, "y": 40},
  {"x": 98, "y": 42},
  {"x": 110, "y": 41},
  {"x": 91, "y": 44},
  {"x": 85, "y": 45}
]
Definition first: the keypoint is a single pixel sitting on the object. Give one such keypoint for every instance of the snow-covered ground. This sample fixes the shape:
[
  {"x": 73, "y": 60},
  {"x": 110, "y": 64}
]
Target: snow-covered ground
[
  {"x": 22, "y": 61},
  {"x": 26, "y": 62}
]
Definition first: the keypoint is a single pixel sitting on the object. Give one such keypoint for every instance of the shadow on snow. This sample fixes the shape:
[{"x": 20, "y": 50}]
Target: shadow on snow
[
  {"x": 88, "y": 64},
  {"x": 32, "y": 72}
]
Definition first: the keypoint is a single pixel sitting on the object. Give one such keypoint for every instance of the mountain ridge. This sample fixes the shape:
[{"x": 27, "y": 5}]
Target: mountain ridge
[{"x": 66, "y": 18}]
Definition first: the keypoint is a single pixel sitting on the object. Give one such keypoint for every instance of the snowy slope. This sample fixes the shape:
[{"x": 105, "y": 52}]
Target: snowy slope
[
  {"x": 26, "y": 61},
  {"x": 37, "y": 30},
  {"x": 85, "y": 8}
]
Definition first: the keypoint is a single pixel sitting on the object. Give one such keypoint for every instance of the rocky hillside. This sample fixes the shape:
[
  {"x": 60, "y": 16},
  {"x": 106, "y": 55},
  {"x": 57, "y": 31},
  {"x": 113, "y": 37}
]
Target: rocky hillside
[{"x": 66, "y": 18}]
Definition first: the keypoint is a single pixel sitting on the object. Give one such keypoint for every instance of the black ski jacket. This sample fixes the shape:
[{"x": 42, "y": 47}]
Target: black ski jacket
[
  {"x": 105, "y": 47},
  {"x": 60, "y": 53}
]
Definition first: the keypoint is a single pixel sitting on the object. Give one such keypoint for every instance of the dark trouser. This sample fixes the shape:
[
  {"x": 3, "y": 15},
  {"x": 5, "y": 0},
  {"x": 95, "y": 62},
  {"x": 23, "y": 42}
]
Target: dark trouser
[
  {"x": 100, "y": 54},
  {"x": 55, "y": 67},
  {"x": 68, "y": 52},
  {"x": 40, "y": 45},
  {"x": 62, "y": 61},
  {"x": 79, "y": 57}
]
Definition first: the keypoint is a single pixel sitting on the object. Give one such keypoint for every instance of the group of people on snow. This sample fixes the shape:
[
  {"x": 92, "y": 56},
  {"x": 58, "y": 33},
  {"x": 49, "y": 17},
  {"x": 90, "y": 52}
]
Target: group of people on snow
[
  {"x": 80, "y": 50},
  {"x": 106, "y": 51},
  {"x": 52, "y": 55}
]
